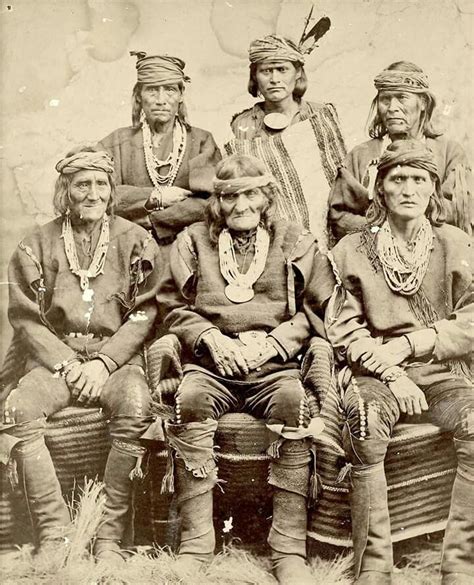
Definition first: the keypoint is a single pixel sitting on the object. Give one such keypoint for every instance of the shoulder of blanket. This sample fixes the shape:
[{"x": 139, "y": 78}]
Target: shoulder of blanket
[
  {"x": 121, "y": 136},
  {"x": 191, "y": 235},
  {"x": 247, "y": 114},
  {"x": 323, "y": 109},
  {"x": 347, "y": 248},
  {"x": 40, "y": 234},
  {"x": 452, "y": 238},
  {"x": 199, "y": 133}
]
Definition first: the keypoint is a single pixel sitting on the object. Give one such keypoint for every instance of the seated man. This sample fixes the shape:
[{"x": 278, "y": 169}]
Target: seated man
[
  {"x": 163, "y": 166},
  {"x": 402, "y": 317},
  {"x": 300, "y": 142},
  {"x": 81, "y": 304},
  {"x": 402, "y": 108},
  {"x": 236, "y": 296}
]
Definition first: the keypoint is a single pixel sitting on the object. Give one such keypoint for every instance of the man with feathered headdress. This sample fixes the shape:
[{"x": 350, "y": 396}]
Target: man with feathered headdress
[
  {"x": 402, "y": 108},
  {"x": 163, "y": 165},
  {"x": 300, "y": 142}
]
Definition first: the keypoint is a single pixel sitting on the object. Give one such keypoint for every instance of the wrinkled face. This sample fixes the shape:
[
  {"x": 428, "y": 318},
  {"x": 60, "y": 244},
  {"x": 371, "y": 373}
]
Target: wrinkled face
[
  {"x": 160, "y": 103},
  {"x": 89, "y": 194},
  {"x": 243, "y": 211},
  {"x": 276, "y": 80},
  {"x": 400, "y": 112},
  {"x": 407, "y": 192}
]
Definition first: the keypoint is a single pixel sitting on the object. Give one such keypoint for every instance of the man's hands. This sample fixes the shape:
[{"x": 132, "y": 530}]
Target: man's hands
[
  {"x": 410, "y": 398},
  {"x": 86, "y": 380},
  {"x": 385, "y": 356},
  {"x": 226, "y": 353},
  {"x": 231, "y": 358},
  {"x": 377, "y": 358}
]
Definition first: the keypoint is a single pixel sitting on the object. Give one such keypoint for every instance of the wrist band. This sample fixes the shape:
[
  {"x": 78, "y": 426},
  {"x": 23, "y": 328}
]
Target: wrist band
[{"x": 393, "y": 375}]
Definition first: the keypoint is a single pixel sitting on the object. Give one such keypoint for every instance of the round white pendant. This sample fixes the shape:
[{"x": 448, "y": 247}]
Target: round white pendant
[
  {"x": 238, "y": 294},
  {"x": 276, "y": 121}
]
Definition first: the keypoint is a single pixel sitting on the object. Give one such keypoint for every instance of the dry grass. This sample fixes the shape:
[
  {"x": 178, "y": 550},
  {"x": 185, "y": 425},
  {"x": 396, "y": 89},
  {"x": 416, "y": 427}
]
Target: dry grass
[{"x": 72, "y": 563}]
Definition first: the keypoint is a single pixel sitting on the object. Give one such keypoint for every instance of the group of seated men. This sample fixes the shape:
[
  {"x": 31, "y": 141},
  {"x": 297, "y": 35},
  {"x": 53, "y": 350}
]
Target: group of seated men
[{"x": 245, "y": 260}]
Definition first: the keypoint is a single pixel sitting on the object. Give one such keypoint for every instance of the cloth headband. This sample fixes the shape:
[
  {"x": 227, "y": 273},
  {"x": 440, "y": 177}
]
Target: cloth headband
[
  {"x": 274, "y": 48},
  {"x": 412, "y": 81},
  {"x": 241, "y": 184},
  {"x": 161, "y": 69},
  {"x": 86, "y": 161},
  {"x": 411, "y": 153}
]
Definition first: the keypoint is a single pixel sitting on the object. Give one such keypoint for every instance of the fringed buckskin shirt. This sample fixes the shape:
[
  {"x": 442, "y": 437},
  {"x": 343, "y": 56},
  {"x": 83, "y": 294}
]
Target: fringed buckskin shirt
[
  {"x": 369, "y": 308},
  {"x": 288, "y": 301},
  {"x": 349, "y": 198},
  {"x": 47, "y": 308},
  {"x": 134, "y": 185}
]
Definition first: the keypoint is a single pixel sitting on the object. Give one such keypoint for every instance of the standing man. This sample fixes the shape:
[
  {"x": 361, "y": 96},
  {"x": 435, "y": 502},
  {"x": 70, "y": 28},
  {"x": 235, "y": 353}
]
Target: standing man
[
  {"x": 300, "y": 142},
  {"x": 163, "y": 165},
  {"x": 402, "y": 108}
]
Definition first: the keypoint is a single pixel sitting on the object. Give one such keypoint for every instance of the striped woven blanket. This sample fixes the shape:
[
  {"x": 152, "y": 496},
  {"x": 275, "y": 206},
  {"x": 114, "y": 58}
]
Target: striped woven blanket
[{"x": 304, "y": 160}]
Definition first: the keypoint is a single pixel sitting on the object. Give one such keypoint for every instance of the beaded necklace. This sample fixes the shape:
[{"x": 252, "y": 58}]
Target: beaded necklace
[
  {"x": 96, "y": 266},
  {"x": 174, "y": 160},
  {"x": 405, "y": 270},
  {"x": 240, "y": 286}
]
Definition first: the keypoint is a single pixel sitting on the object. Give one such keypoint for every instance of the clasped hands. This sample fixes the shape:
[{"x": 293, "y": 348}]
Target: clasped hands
[
  {"x": 232, "y": 359},
  {"x": 381, "y": 360},
  {"x": 86, "y": 380}
]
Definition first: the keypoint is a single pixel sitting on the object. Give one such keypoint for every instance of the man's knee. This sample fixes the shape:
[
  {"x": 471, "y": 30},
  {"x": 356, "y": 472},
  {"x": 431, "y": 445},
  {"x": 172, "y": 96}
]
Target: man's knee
[
  {"x": 371, "y": 409},
  {"x": 193, "y": 403},
  {"x": 464, "y": 430},
  {"x": 37, "y": 395},
  {"x": 290, "y": 405},
  {"x": 126, "y": 393}
]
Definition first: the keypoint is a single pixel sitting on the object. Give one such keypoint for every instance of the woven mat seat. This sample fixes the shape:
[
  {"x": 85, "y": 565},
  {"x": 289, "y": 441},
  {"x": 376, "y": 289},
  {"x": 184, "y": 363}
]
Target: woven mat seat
[{"x": 420, "y": 468}]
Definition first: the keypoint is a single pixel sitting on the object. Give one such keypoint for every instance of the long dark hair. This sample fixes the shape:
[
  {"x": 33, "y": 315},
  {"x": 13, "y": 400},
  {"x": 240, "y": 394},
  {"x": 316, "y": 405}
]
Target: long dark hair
[
  {"x": 375, "y": 125},
  {"x": 232, "y": 167}
]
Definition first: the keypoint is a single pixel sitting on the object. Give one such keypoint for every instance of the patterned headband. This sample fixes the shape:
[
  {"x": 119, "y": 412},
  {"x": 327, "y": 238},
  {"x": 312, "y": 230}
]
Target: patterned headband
[
  {"x": 241, "y": 184},
  {"x": 412, "y": 153},
  {"x": 160, "y": 69},
  {"x": 274, "y": 48},
  {"x": 395, "y": 80},
  {"x": 86, "y": 161}
]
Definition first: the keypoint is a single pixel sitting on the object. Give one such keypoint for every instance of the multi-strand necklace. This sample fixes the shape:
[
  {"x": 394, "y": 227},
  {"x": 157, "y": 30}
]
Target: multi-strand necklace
[
  {"x": 405, "y": 270},
  {"x": 174, "y": 159},
  {"x": 96, "y": 266},
  {"x": 240, "y": 286}
]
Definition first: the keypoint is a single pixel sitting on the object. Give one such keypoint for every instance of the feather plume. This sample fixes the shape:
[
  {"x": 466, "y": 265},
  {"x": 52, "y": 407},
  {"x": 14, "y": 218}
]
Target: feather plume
[{"x": 309, "y": 39}]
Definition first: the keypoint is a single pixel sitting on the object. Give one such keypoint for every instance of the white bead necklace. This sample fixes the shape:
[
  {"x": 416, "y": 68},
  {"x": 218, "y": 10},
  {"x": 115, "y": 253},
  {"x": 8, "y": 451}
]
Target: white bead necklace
[
  {"x": 404, "y": 271},
  {"x": 174, "y": 160},
  {"x": 98, "y": 260},
  {"x": 240, "y": 286}
]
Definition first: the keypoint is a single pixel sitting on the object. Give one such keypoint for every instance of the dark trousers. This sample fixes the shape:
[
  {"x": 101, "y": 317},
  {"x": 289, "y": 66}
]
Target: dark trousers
[
  {"x": 372, "y": 410},
  {"x": 279, "y": 398},
  {"x": 125, "y": 399}
]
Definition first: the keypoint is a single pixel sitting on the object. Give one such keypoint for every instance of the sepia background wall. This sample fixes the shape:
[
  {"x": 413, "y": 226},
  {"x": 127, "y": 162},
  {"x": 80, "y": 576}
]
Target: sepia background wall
[{"x": 66, "y": 75}]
